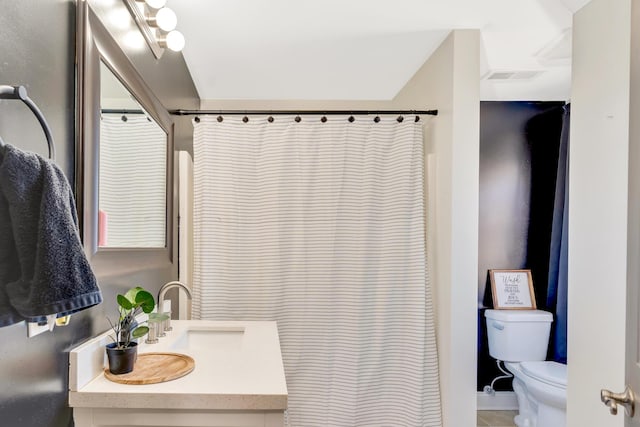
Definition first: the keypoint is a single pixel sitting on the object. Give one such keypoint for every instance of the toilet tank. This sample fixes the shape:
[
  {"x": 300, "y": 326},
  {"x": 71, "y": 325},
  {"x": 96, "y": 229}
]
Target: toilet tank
[{"x": 518, "y": 335}]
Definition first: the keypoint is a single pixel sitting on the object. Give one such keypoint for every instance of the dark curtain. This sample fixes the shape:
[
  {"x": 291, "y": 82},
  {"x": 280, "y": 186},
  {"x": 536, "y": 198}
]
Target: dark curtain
[
  {"x": 557, "y": 288},
  {"x": 543, "y": 134}
]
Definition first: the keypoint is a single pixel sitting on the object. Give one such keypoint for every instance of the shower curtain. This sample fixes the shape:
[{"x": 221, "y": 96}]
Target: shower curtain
[
  {"x": 558, "y": 256},
  {"x": 133, "y": 204},
  {"x": 320, "y": 226}
]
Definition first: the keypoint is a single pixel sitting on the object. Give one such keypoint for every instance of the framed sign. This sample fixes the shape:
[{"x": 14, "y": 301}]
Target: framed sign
[{"x": 512, "y": 290}]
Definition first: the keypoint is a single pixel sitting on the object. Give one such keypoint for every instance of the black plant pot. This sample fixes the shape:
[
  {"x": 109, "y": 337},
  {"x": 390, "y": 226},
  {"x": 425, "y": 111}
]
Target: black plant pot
[{"x": 121, "y": 361}]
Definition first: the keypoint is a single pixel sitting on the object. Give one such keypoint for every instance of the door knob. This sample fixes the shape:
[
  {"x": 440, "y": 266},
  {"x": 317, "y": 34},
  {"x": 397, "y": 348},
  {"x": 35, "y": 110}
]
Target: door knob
[{"x": 612, "y": 400}]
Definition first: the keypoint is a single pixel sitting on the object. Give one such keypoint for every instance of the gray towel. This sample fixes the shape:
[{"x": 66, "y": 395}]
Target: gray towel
[
  {"x": 43, "y": 269},
  {"x": 9, "y": 267}
]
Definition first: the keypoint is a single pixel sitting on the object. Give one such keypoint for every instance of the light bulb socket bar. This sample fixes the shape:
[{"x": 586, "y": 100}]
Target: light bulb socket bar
[{"x": 157, "y": 37}]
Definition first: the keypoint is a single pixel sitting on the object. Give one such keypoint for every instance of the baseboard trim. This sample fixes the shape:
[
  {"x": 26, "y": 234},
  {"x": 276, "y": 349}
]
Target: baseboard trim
[{"x": 499, "y": 401}]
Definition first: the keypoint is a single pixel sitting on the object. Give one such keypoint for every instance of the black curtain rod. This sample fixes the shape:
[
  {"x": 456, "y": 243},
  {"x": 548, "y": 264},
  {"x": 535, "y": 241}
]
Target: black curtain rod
[
  {"x": 301, "y": 112},
  {"x": 121, "y": 111}
]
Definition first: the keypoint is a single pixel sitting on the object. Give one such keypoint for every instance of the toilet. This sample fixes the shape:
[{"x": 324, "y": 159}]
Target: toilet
[{"x": 520, "y": 338}]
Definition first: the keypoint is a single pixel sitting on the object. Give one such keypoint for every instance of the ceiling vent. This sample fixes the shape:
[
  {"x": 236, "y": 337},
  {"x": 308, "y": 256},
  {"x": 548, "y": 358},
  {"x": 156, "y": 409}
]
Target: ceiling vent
[{"x": 512, "y": 75}]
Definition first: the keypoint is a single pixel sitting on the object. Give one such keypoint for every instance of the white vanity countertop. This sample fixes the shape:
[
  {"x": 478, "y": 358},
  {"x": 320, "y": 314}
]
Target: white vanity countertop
[{"x": 237, "y": 370}]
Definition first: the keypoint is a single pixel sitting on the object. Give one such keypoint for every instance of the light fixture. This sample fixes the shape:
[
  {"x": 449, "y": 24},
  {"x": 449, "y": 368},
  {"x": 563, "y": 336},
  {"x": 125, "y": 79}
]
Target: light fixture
[
  {"x": 165, "y": 19},
  {"x": 157, "y": 24},
  {"x": 173, "y": 40}
]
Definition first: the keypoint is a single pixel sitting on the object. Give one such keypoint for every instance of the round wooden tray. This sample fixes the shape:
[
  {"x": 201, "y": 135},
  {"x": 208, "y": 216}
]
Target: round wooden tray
[{"x": 152, "y": 368}]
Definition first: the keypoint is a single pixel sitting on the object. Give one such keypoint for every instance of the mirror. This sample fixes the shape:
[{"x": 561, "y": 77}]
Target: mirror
[
  {"x": 124, "y": 178},
  {"x": 132, "y": 170}
]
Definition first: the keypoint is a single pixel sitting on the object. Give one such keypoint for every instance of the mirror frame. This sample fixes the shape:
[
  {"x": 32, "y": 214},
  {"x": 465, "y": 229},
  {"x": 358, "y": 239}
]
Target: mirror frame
[{"x": 96, "y": 45}]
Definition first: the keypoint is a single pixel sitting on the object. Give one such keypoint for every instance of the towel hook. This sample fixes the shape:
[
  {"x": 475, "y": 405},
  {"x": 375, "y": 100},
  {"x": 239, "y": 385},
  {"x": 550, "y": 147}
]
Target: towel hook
[{"x": 20, "y": 92}]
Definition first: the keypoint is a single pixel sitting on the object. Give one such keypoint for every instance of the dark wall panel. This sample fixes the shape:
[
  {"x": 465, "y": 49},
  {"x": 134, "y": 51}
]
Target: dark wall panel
[
  {"x": 518, "y": 161},
  {"x": 37, "y": 50},
  {"x": 505, "y": 187}
]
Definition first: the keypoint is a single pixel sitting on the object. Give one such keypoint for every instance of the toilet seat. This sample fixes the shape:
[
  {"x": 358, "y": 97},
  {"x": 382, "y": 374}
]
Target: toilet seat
[{"x": 547, "y": 372}]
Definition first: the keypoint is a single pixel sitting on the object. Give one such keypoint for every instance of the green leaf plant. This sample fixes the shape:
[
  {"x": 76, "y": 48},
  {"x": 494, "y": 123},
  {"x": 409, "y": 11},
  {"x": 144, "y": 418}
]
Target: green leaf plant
[{"x": 132, "y": 303}]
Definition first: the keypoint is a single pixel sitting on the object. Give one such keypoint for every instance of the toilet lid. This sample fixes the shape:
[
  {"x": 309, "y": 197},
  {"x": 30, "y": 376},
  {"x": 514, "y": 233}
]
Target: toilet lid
[{"x": 552, "y": 373}]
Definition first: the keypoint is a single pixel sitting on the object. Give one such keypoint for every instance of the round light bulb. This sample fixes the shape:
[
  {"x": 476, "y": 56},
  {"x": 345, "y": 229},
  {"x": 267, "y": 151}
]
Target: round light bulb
[
  {"x": 175, "y": 41},
  {"x": 166, "y": 19},
  {"x": 155, "y": 4}
]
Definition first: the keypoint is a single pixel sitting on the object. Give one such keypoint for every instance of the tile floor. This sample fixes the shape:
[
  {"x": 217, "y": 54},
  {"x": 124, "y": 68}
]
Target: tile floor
[{"x": 496, "y": 418}]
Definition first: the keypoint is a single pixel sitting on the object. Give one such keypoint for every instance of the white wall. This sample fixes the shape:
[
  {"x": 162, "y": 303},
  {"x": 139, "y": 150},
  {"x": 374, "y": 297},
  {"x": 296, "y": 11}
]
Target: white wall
[
  {"x": 598, "y": 182},
  {"x": 450, "y": 81}
]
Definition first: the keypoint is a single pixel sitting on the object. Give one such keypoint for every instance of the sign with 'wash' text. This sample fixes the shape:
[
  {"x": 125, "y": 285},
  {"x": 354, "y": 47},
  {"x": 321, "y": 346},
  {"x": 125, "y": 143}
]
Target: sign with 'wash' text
[{"x": 512, "y": 289}]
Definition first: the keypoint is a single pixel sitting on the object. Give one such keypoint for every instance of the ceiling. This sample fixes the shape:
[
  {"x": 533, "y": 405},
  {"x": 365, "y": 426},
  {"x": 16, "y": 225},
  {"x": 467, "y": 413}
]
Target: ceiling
[{"x": 369, "y": 49}]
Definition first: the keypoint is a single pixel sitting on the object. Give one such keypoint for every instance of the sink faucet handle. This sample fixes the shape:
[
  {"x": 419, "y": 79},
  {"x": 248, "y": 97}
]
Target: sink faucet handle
[
  {"x": 166, "y": 324},
  {"x": 152, "y": 335}
]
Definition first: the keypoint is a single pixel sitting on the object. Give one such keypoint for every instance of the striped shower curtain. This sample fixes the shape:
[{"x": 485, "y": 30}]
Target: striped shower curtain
[
  {"x": 133, "y": 203},
  {"x": 320, "y": 226}
]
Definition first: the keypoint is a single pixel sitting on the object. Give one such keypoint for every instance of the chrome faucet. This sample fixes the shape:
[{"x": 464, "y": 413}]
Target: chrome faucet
[{"x": 161, "y": 294}]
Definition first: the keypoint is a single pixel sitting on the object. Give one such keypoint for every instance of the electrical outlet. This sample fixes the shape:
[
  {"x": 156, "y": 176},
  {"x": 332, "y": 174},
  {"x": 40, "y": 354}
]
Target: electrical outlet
[{"x": 34, "y": 329}]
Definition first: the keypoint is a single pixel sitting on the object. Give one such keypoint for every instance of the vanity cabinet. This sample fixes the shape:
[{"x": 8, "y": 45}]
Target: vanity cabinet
[
  {"x": 238, "y": 380},
  {"x": 100, "y": 417}
]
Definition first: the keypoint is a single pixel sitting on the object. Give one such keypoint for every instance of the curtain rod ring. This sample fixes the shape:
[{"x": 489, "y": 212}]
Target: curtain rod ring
[
  {"x": 124, "y": 118},
  {"x": 323, "y": 119},
  {"x": 298, "y": 119},
  {"x": 270, "y": 119},
  {"x": 400, "y": 119},
  {"x": 196, "y": 119},
  {"x": 417, "y": 119},
  {"x": 220, "y": 119},
  {"x": 351, "y": 119},
  {"x": 245, "y": 119},
  {"x": 376, "y": 119}
]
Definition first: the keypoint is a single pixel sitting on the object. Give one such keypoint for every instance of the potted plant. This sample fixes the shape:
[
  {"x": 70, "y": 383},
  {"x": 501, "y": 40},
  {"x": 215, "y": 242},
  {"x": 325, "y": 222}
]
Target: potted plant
[{"x": 123, "y": 351}]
